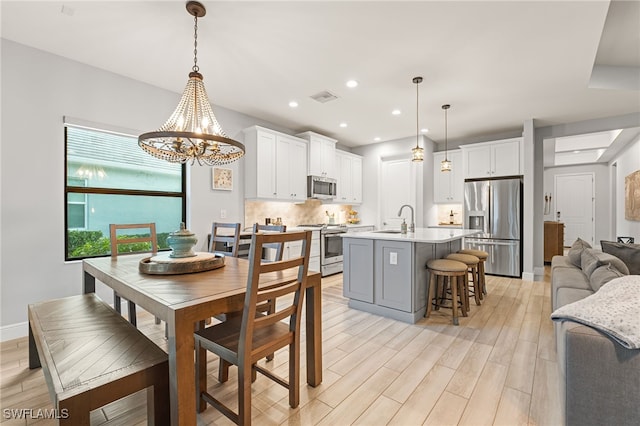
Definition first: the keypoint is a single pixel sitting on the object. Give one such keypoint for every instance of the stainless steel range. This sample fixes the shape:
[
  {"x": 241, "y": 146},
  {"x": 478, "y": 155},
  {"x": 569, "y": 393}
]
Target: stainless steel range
[{"x": 330, "y": 247}]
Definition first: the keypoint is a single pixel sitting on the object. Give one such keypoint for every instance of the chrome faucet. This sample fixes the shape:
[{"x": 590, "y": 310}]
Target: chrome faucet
[{"x": 412, "y": 225}]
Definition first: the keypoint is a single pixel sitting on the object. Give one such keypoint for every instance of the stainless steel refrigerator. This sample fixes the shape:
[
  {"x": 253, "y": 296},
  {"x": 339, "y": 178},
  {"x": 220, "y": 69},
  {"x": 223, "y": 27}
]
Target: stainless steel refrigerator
[{"x": 494, "y": 206}]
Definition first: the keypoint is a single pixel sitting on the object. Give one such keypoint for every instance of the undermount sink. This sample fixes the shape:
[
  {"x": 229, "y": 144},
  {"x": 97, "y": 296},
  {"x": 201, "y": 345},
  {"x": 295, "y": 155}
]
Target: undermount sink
[{"x": 388, "y": 231}]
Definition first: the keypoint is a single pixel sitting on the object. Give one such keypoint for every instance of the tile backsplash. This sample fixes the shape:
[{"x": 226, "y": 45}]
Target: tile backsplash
[
  {"x": 444, "y": 210},
  {"x": 293, "y": 214}
]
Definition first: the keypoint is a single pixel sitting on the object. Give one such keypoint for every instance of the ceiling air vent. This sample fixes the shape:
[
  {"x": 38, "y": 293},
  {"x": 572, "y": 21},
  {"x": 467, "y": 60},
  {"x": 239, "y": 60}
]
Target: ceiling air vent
[{"x": 324, "y": 96}]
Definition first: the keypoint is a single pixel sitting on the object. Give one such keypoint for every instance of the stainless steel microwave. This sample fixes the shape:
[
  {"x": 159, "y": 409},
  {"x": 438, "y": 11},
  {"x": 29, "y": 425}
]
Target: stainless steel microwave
[{"x": 322, "y": 188}]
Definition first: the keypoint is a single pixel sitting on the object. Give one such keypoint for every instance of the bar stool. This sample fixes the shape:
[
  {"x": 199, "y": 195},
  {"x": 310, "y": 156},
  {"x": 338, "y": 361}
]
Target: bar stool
[
  {"x": 472, "y": 264},
  {"x": 482, "y": 255},
  {"x": 456, "y": 272}
]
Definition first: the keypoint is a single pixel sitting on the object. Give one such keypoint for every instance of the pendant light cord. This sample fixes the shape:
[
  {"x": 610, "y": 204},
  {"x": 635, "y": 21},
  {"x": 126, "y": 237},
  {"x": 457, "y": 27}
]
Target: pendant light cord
[
  {"x": 417, "y": 115},
  {"x": 195, "y": 68},
  {"x": 445, "y": 136}
]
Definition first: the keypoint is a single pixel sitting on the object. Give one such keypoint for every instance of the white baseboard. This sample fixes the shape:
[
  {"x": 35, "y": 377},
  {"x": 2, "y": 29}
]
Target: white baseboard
[
  {"x": 538, "y": 270},
  {"x": 14, "y": 331},
  {"x": 528, "y": 276}
]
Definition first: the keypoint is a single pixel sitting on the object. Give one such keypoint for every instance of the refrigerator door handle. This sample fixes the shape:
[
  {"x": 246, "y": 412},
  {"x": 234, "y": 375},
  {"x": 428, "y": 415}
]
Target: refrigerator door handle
[
  {"x": 490, "y": 212},
  {"x": 492, "y": 242}
]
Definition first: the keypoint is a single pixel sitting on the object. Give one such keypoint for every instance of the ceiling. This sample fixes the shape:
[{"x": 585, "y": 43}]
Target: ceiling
[{"x": 497, "y": 63}]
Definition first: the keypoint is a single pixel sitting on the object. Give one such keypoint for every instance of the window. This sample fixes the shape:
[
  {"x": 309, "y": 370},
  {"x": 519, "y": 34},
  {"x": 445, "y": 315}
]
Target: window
[{"x": 109, "y": 179}]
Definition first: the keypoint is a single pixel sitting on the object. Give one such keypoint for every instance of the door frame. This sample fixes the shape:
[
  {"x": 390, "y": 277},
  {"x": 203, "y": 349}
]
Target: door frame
[{"x": 593, "y": 198}]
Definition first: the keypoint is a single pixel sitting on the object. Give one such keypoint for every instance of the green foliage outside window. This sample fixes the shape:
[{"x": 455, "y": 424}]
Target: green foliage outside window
[{"x": 94, "y": 243}]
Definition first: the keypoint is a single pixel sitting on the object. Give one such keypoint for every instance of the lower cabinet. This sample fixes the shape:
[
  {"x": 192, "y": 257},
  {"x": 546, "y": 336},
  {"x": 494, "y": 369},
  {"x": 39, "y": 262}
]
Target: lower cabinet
[
  {"x": 357, "y": 274},
  {"x": 393, "y": 274},
  {"x": 378, "y": 272}
]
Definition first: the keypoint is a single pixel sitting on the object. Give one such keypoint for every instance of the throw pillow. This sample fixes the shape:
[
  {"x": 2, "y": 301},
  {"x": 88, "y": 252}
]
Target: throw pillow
[
  {"x": 628, "y": 253},
  {"x": 575, "y": 252},
  {"x": 602, "y": 275},
  {"x": 605, "y": 258},
  {"x": 589, "y": 262}
]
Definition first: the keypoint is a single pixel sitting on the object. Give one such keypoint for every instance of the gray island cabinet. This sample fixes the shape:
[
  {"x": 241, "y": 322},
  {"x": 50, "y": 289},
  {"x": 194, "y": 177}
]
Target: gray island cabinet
[{"x": 384, "y": 272}]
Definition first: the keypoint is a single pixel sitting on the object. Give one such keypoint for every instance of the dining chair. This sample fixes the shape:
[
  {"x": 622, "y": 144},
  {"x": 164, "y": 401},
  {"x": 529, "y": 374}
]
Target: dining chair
[
  {"x": 268, "y": 305},
  {"x": 242, "y": 341},
  {"x": 231, "y": 239},
  {"x": 278, "y": 247},
  {"x": 151, "y": 238}
]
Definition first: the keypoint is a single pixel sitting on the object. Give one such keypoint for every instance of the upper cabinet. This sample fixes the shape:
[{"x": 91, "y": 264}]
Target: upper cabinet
[
  {"x": 349, "y": 177},
  {"x": 275, "y": 165},
  {"x": 322, "y": 154},
  {"x": 448, "y": 186},
  {"x": 492, "y": 159}
]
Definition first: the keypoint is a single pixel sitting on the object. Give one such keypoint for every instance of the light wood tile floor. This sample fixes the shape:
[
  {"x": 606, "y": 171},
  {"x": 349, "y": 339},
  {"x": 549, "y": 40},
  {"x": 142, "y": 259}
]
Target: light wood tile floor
[{"x": 497, "y": 368}]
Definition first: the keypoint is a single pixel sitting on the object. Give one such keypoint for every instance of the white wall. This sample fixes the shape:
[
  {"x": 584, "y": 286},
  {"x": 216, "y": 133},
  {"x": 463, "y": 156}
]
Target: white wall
[
  {"x": 627, "y": 162},
  {"x": 601, "y": 188},
  {"x": 38, "y": 89},
  {"x": 371, "y": 161}
]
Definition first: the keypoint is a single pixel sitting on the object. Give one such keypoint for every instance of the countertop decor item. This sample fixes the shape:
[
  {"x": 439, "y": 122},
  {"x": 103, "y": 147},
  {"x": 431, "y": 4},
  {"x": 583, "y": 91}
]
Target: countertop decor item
[
  {"x": 418, "y": 151},
  {"x": 182, "y": 242},
  {"x": 192, "y": 133}
]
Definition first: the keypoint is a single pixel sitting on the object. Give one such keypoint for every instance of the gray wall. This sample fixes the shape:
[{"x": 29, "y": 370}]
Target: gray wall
[{"x": 628, "y": 161}]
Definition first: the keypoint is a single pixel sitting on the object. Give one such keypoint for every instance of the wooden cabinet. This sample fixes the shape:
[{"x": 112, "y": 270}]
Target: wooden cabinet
[
  {"x": 349, "y": 178},
  {"x": 321, "y": 154},
  {"x": 553, "y": 240},
  {"x": 275, "y": 165},
  {"x": 492, "y": 159},
  {"x": 448, "y": 187}
]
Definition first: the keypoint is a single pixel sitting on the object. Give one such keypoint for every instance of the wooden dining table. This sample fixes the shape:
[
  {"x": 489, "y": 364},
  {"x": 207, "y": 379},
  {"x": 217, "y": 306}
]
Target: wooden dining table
[{"x": 184, "y": 301}]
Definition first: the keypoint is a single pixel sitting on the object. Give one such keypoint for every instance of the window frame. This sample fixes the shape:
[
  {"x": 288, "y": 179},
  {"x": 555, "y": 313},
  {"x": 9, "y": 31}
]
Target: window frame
[{"x": 88, "y": 190}]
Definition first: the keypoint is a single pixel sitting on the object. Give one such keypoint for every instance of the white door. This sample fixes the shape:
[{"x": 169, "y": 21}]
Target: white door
[
  {"x": 397, "y": 187},
  {"x": 574, "y": 195}
]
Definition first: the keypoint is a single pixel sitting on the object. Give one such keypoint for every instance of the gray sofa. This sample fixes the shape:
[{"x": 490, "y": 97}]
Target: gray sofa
[{"x": 599, "y": 378}]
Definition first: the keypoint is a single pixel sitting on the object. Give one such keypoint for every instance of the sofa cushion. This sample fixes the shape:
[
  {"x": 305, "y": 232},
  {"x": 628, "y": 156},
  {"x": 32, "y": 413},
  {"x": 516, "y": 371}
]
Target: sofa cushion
[
  {"x": 561, "y": 262},
  {"x": 589, "y": 262},
  {"x": 628, "y": 253},
  {"x": 602, "y": 275},
  {"x": 575, "y": 252},
  {"x": 566, "y": 295}
]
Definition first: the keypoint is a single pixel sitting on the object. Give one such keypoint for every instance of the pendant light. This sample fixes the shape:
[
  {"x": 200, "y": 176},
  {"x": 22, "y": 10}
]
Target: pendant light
[
  {"x": 192, "y": 133},
  {"x": 417, "y": 152},
  {"x": 445, "y": 165}
]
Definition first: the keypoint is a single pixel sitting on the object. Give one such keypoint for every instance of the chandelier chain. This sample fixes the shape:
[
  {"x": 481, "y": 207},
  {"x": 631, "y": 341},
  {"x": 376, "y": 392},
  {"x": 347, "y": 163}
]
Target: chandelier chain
[
  {"x": 417, "y": 125},
  {"x": 445, "y": 134},
  {"x": 195, "y": 68}
]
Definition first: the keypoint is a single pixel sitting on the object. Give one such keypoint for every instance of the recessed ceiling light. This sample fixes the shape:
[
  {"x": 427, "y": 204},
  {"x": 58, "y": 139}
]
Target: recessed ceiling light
[
  {"x": 377, "y": 139},
  {"x": 425, "y": 130},
  {"x": 343, "y": 124},
  {"x": 396, "y": 112},
  {"x": 576, "y": 152},
  {"x": 293, "y": 104},
  {"x": 352, "y": 83}
]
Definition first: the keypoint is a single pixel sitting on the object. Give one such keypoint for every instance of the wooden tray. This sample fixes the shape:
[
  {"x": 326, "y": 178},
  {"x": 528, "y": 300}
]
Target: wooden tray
[{"x": 163, "y": 264}]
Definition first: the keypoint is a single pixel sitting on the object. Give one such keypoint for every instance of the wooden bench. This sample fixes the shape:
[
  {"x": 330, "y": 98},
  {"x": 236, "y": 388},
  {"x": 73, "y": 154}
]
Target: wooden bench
[{"x": 92, "y": 356}]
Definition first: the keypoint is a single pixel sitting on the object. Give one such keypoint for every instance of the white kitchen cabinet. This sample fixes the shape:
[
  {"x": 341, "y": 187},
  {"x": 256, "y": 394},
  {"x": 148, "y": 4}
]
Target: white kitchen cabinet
[
  {"x": 275, "y": 165},
  {"x": 492, "y": 159},
  {"x": 349, "y": 178},
  {"x": 321, "y": 154},
  {"x": 448, "y": 186}
]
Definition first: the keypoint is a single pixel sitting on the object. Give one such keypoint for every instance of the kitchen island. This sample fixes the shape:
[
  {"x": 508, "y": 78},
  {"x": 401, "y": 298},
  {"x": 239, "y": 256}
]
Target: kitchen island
[{"x": 385, "y": 271}]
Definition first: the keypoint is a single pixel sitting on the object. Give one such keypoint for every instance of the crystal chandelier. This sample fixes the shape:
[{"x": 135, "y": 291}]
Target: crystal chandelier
[
  {"x": 417, "y": 152},
  {"x": 445, "y": 165},
  {"x": 192, "y": 133}
]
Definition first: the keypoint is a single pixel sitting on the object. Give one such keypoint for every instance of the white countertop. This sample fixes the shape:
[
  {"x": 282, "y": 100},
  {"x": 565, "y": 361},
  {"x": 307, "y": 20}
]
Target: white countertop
[{"x": 422, "y": 235}]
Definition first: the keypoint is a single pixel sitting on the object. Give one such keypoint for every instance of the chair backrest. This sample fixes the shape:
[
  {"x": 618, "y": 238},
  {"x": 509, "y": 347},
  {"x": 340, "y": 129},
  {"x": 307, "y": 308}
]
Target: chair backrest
[
  {"x": 268, "y": 281},
  {"x": 278, "y": 247},
  {"x": 150, "y": 229},
  {"x": 231, "y": 239}
]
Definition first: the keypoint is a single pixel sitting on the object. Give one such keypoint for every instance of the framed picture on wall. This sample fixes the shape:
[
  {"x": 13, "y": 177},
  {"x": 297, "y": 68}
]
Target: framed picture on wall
[
  {"x": 222, "y": 178},
  {"x": 632, "y": 196}
]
